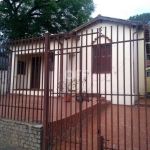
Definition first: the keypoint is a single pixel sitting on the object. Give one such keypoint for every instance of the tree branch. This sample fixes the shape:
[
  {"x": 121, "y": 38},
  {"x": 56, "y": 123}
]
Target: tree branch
[
  {"x": 35, "y": 14},
  {"x": 19, "y": 5},
  {"x": 10, "y": 5}
]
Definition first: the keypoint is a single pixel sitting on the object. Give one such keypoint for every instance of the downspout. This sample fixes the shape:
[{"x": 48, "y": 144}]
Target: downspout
[
  {"x": 61, "y": 68},
  {"x": 133, "y": 63}
]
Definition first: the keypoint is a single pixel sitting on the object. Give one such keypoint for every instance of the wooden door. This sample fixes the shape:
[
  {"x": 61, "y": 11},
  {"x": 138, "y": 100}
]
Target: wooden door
[{"x": 35, "y": 72}]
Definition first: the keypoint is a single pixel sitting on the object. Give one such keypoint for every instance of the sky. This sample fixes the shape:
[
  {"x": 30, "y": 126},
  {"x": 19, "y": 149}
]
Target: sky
[{"x": 122, "y": 9}]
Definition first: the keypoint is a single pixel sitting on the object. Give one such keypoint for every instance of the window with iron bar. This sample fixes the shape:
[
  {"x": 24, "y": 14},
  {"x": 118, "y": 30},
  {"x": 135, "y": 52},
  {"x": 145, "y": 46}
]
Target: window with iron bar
[{"x": 102, "y": 58}]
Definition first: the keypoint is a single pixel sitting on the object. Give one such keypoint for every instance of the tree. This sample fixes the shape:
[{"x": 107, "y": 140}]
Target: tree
[
  {"x": 20, "y": 18},
  {"x": 145, "y": 18}
]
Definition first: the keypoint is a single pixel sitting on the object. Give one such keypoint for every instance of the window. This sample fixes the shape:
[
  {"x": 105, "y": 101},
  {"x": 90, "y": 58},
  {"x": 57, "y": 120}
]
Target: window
[
  {"x": 148, "y": 74},
  {"x": 51, "y": 61},
  {"x": 21, "y": 68},
  {"x": 147, "y": 36},
  {"x": 102, "y": 58}
]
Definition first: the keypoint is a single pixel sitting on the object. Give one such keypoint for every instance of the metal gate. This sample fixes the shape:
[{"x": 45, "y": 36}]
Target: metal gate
[
  {"x": 95, "y": 89},
  {"x": 89, "y": 88}
]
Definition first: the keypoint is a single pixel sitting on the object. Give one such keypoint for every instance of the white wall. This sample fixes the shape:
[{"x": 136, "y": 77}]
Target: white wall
[
  {"x": 123, "y": 71},
  {"x": 123, "y": 80}
]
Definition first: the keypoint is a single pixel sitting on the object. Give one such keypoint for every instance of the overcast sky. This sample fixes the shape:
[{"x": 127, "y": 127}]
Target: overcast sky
[{"x": 122, "y": 9}]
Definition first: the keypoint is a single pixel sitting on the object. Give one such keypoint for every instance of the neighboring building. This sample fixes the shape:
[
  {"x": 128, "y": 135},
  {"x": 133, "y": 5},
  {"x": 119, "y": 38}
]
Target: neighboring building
[
  {"x": 148, "y": 80},
  {"x": 147, "y": 43},
  {"x": 3, "y": 61},
  {"x": 111, "y": 43},
  {"x": 4, "y": 58}
]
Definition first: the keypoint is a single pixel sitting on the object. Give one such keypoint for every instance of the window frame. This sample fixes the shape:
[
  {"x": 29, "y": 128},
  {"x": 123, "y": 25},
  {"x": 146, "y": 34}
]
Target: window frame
[
  {"x": 21, "y": 67},
  {"x": 107, "y": 67},
  {"x": 51, "y": 63}
]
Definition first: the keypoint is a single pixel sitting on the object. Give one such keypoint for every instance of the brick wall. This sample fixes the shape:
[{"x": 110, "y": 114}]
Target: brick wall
[{"x": 23, "y": 136}]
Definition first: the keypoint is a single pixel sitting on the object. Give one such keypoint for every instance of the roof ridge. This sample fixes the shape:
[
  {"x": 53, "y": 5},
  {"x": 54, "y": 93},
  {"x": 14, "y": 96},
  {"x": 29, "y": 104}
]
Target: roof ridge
[{"x": 122, "y": 21}]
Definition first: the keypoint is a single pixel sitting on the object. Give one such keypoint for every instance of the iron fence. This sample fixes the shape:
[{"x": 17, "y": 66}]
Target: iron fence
[
  {"x": 88, "y": 88},
  {"x": 21, "y": 96}
]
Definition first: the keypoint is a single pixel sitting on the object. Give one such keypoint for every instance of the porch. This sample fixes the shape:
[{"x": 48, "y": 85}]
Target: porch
[
  {"x": 29, "y": 108},
  {"x": 122, "y": 126},
  {"x": 143, "y": 102}
]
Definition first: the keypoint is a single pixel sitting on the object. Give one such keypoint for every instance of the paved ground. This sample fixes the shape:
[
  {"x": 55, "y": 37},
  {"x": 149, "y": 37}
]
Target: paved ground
[
  {"x": 125, "y": 128},
  {"x": 4, "y": 146}
]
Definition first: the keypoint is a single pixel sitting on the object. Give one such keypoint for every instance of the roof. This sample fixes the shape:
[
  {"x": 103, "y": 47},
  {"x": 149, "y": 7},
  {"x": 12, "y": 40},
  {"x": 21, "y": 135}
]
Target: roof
[
  {"x": 42, "y": 38},
  {"x": 100, "y": 18}
]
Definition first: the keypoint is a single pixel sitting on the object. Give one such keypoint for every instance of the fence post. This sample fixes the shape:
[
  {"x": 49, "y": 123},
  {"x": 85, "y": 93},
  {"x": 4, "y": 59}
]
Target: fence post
[{"x": 46, "y": 93}]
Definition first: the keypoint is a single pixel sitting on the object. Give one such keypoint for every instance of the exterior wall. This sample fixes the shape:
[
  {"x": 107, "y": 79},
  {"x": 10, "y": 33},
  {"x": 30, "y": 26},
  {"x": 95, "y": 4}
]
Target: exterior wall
[
  {"x": 21, "y": 52},
  {"x": 21, "y": 136},
  {"x": 148, "y": 85},
  {"x": 139, "y": 66},
  {"x": 142, "y": 64},
  {"x": 127, "y": 60},
  {"x": 126, "y": 65},
  {"x": 120, "y": 79}
]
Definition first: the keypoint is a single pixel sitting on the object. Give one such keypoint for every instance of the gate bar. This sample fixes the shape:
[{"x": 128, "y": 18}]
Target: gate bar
[{"x": 46, "y": 93}]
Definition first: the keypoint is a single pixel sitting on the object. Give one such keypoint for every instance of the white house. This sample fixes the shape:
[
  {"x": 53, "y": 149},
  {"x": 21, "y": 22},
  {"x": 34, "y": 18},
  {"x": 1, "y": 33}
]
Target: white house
[{"x": 109, "y": 51}]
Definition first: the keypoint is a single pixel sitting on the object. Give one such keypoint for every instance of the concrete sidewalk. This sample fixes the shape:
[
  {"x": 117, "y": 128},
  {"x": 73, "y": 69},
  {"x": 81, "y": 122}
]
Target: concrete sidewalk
[{"x": 6, "y": 146}]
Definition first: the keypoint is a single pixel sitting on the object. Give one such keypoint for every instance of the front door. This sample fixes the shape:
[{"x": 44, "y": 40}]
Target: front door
[{"x": 35, "y": 72}]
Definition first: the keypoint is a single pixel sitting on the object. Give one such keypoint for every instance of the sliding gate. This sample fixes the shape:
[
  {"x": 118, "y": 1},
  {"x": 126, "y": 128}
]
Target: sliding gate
[{"x": 95, "y": 90}]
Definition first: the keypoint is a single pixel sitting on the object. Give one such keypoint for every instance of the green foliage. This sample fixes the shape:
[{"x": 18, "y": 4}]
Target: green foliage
[
  {"x": 23, "y": 18},
  {"x": 145, "y": 17}
]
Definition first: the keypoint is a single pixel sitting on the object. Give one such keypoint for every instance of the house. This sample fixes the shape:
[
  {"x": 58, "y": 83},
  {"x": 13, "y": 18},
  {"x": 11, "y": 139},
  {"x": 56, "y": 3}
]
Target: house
[
  {"x": 4, "y": 70},
  {"x": 148, "y": 80},
  {"x": 147, "y": 45},
  {"x": 108, "y": 52}
]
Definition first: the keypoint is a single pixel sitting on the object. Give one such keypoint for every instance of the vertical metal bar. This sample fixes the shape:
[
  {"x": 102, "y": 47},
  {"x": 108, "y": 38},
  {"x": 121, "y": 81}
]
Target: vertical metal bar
[
  {"x": 80, "y": 92},
  {"x": 58, "y": 72},
  {"x": 71, "y": 93},
  {"x": 101, "y": 142},
  {"x": 42, "y": 82},
  {"x": 37, "y": 50},
  {"x": 39, "y": 88},
  {"x": 92, "y": 137},
  {"x": 124, "y": 81},
  {"x": 3, "y": 88},
  {"x": 46, "y": 93},
  {"x": 19, "y": 99},
  {"x": 106, "y": 52},
  {"x": 31, "y": 98},
  {"x": 8, "y": 80},
  {"x": 137, "y": 44},
  {"x": 15, "y": 73},
  {"x": 76, "y": 68},
  {"x": 146, "y": 116},
  {"x": 97, "y": 88},
  {"x": 61, "y": 79},
  {"x": 30, "y": 92},
  {"x": 117, "y": 91},
  {"x": 86, "y": 93},
  {"x": 11, "y": 74},
  {"x": 53, "y": 98},
  {"x": 99, "y": 72},
  {"x": 67, "y": 62},
  {"x": 35, "y": 67},
  {"x": 131, "y": 93},
  {"x": 4, "y": 74},
  {"x": 1, "y": 98},
  {"x": 27, "y": 78},
  {"x": 49, "y": 99},
  {"x": 111, "y": 30},
  {"x": 22, "y": 80}
]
